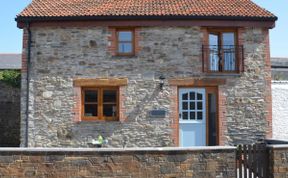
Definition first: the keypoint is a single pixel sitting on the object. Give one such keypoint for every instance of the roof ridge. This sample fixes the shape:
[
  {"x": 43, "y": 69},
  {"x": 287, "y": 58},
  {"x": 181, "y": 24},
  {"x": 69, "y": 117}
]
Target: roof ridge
[{"x": 10, "y": 53}]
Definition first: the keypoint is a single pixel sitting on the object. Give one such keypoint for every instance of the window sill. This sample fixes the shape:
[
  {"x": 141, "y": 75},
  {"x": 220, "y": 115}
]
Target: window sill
[
  {"x": 223, "y": 74},
  {"x": 124, "y": 56},
  {"x": 98, "y": 121}
]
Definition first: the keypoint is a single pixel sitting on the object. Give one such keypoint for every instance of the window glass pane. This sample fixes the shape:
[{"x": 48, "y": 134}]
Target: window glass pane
[
  {"x": 109, "y": 96},
  {"x": 199, "y": 115},
  {"x": 192, "y": 95},
  {"x": 192, "y": 105},
  {"x": 185, "y": 105},
  {"x": 109, "y": 110},
  {"x": 228, "y": 39},
  {"x": 212, "y": 118},
  {"x": 192, "y": 115},
  {"x": 90, "y": 110},
  {"x": 125, "y": 36},
  {"x": 91, "y": 96},
  {"x": 185, "y": 116},
  {"x": 185, "y": 96},
  {"x": 125, "y": 47},
  {"x": 199, "y": 96},
  {"x": 199, "y": 105}
]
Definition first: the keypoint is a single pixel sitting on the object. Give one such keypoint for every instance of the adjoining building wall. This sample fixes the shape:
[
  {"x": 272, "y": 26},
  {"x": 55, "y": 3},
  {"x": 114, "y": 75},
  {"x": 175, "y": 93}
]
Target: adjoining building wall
[
  {"x": 278, "y": 161},
  {"x": 60, "y": 55},
  {"x": 279, "y": 68},
  {"x": 9, "y": 115},
  {"x": 280, "y": 109}
]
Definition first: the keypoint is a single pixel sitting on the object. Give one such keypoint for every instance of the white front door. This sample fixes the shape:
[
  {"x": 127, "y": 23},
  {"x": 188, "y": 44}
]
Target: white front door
[{"x": 192, "y": 117}]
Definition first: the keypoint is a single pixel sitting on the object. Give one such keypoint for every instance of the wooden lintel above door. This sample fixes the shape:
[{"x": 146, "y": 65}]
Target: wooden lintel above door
[{"x": 197, "y": 82}]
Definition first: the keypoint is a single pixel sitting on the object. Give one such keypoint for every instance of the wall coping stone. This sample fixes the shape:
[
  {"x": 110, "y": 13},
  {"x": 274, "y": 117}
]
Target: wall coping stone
[
  {"x": 282, "y": 146},
  {"x": 113, "y": 150},
  {"x": 280, "y": 81}
]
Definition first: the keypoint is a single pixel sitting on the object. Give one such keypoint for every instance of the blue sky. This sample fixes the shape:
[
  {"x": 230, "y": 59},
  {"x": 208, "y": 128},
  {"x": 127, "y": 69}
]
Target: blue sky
[{"x": 11, "y": 36}]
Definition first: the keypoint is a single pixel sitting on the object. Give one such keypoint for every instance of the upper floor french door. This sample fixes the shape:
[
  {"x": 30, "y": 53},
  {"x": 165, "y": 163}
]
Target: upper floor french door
[{"x": 222, "y": 46}]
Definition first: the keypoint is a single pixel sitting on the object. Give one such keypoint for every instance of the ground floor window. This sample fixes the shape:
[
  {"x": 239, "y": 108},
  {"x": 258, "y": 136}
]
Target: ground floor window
[{"x": 101, "y": 103}]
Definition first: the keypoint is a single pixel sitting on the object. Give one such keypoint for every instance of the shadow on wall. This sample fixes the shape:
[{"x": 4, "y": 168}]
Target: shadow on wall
[{"x": 9, "y": 115}]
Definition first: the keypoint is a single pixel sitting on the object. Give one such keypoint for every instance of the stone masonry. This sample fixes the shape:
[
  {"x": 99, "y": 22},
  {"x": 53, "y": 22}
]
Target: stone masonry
[
  {"x": 62, "y": 54},
  {"x": 278, "y": 161},
  {"x": 9, "y": 115},
  {"x": 136, "y": 163}
]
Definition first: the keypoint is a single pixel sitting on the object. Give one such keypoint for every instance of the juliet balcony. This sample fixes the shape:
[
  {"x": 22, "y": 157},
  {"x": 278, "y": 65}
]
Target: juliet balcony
[{"x": 227, "y": 59}]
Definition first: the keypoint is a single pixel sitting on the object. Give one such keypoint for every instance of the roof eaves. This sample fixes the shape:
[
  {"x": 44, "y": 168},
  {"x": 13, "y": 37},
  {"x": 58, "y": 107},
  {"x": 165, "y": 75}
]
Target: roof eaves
[{"x": 138, "y": 17}]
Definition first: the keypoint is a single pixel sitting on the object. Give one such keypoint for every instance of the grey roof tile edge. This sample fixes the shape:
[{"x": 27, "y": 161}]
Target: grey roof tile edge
[
  {"x": 10, "y": 61},
  {"x": 284, "y": 82}
]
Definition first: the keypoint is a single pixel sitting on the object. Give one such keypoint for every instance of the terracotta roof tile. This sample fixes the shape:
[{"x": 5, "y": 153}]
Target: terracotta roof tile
[{"x": 103, "y": 8}]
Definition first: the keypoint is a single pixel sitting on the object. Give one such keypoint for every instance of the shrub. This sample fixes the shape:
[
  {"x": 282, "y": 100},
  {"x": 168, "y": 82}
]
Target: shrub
[{"x": 11, "y": 77}]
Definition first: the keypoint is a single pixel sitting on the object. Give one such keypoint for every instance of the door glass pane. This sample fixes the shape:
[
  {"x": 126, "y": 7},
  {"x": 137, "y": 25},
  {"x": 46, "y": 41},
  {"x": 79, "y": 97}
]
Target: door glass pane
[
  {"x": 90, "y": 110},
  {"x": 185, "y": 96},
  {"x": 185, "y": 106},
  {"x": 228, "y": 39},
  {"x": 109, "y": 96},
  {"x": 213, "y": 52},
  {"x": 192, "y": 95},
  {"x": 192, "y": 115},
  {"x": 109, "y": 110},
  {"x": 192, "y": 105},
  {"x": 91, "y": 96},
  {"x": 185, "y": 116},
  {"x": 212, "y": 117},
  {"x": 199, "y": 96},
  {"x": 229, "y": 51},
  {"x": 199, "y": 115},
  {"x": 213, "y": 39},
  {"x": 199, "y": 105}
]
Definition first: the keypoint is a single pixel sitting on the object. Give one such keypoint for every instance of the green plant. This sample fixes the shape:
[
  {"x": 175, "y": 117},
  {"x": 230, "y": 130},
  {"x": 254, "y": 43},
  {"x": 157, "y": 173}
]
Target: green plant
[{"x": 11, "y": 77}]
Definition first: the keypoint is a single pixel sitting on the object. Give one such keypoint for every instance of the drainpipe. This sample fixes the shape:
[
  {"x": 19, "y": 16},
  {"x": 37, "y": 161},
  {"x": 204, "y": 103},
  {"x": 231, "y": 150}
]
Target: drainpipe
[{"x": 28, "y": 82}]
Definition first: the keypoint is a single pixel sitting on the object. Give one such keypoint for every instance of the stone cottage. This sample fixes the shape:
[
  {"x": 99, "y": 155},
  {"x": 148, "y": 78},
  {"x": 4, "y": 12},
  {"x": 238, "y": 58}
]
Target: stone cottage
[{"x": 145, "y": 73}]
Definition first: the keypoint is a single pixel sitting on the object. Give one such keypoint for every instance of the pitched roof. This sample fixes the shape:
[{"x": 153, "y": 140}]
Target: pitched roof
[
  {"x": 218, "y": 9},
  {"x": 279, "y": 62},
  {"x": 10, "y": 61}
]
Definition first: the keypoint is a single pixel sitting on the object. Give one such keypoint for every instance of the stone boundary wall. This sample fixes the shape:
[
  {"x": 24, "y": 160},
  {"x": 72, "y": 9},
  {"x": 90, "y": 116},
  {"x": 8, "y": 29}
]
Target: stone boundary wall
[
  {"x": 280, "y": 109},
  {"x": 205, "y": 162},
  {"x": 278, "y": 161},
  {"x": 9, "y": 116}
]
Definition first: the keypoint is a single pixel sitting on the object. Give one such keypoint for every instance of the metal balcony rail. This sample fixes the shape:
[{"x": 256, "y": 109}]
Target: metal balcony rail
[{"x": 222, "y": 59}]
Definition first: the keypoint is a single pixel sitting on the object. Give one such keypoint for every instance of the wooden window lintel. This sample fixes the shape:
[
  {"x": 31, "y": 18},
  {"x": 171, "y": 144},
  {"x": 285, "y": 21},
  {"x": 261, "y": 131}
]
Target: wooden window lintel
[
  {"x": 108, "y": 82},
  {"x": 197, "y": 82}
]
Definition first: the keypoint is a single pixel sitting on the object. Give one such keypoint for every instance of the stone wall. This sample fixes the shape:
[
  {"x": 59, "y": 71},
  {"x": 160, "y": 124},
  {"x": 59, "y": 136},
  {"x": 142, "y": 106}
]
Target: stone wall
[
  {"x": 60, "y": 55},
  {"x": 137, "y": 163},
  {"x": 247, "y": 99},
  {"x": 278, "y": 161},
  {"x": 9, "y": 116},
  {"x": 280, "y": 109}
]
